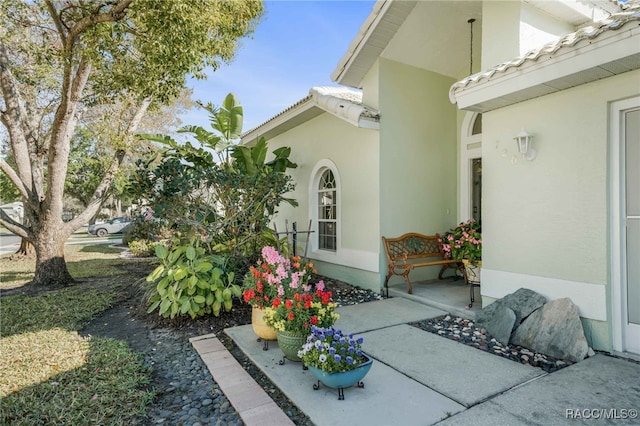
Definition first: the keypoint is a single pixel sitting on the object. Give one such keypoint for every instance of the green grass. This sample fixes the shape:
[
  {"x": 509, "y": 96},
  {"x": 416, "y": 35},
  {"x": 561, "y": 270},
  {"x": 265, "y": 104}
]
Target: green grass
[
  {"x": 82, "y": 262},
  {"x": 53, "y": 375}
]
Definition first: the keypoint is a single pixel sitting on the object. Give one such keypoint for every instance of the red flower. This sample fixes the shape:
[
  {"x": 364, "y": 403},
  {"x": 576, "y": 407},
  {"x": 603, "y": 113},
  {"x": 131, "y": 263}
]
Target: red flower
[
  {"x": 259, "y": 286},
  {"x": 314, "y": 320},
  {"x": 290, "y": 316},
  {"x": 248, "y": 295},
  {"x": 255, "y": 272},
  {"x": 307, "y": 304},
  {"x": 288, "y": 303},
  {"x": 276, "y": 302}
]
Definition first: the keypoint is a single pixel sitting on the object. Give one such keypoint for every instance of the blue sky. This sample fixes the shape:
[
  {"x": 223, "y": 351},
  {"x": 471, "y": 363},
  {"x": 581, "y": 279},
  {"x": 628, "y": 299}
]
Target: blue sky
[{"x": 296, "y": 46}]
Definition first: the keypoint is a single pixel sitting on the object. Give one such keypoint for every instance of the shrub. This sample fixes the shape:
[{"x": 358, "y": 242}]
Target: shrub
[
  {"x": 146, "y": 229},
  {"x": 188, "y": 283},
  {"x": 142, "y": 248}
]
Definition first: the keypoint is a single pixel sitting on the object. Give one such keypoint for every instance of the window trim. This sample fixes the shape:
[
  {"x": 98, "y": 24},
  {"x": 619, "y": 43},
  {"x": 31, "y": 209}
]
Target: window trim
[
  {"x": 314, "y": 183},
  {"x": 469, "y": 151}
]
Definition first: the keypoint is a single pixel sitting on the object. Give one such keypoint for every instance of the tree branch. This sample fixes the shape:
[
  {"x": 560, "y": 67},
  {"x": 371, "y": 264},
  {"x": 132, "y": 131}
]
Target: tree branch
[
  {"x": 116, "y": 13},
  {"x": 13, "y": 177},
  {"x": 13, "y": 117},
  {"x": 99, "y": 194},
  {"x": 56, "y": 20},
  {"x": 13, "y": 226}
]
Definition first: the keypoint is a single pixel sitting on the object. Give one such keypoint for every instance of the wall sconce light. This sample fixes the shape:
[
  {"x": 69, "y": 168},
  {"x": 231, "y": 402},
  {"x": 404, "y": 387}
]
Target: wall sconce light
[{"x": 525, "y": 141}]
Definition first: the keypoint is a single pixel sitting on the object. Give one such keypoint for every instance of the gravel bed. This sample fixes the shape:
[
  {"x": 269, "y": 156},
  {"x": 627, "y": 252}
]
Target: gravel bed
[
  {"x": 464, "y": 331},
  {"x": 189, "y": 395}
]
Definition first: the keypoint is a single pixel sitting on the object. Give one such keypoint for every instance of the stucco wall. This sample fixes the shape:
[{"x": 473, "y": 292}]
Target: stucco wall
[
  {"x": 545, "y": 222},
  {"x": 354, "y": 152},
  {"x": 500, "y": 32},
  {"x": 417, "y": 153},
  {"x": 512, "y": 28}
]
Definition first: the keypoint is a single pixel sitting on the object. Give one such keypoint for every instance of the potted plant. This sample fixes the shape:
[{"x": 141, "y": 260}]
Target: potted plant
[
  {"x": 464, "y": 243},
  {"x": 274, "y": 276},
  {"x": 294, "y": 317},
  {"x": 335, "y": 359}
]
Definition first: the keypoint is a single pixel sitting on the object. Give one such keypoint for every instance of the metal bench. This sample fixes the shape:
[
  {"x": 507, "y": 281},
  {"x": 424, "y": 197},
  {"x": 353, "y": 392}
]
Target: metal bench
[{"x": 414, "y": 250}]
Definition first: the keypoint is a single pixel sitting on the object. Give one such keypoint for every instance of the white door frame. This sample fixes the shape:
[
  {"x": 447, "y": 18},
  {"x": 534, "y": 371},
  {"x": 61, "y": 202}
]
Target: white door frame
[
  {"x": 618, "y": 222},
  {"x": 470, "y": 149}
]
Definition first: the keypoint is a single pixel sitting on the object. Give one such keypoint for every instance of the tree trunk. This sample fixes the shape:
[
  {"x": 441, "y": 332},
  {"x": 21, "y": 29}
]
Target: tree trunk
[
  {"x": 26, "y": 248},
  {"x": 51, "y": 268}
]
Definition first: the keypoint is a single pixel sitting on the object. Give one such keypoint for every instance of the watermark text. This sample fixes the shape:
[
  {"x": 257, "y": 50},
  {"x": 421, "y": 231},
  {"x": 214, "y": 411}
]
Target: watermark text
[{"x": 601, "y": 413}]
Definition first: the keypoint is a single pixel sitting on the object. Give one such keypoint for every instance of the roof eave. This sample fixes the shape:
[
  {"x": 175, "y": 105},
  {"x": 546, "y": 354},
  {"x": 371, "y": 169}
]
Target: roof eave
[
  {"x": 375, "y": 34},
  {"x": 309, "y": 108},
  {"x": 612, "y": 54}
]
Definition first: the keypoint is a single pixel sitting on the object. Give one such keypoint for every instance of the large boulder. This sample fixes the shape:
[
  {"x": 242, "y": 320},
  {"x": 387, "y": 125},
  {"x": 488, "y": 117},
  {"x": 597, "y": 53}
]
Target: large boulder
[
  {"x": 554, "y": 330},
  {"x": 521, "y": 303},
  {"x": 501, "y": 324}
]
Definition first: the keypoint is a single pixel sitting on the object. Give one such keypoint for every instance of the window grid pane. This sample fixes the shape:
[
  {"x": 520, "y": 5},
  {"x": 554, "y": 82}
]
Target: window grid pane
[{"x": 327, "y": 208}]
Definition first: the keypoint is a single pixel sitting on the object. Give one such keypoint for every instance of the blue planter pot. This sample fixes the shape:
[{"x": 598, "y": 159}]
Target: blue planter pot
[{"x": 343, "y": 379}]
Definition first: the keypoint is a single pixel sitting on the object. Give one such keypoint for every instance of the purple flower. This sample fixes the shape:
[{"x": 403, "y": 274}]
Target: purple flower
[
  {"x": 349, "y": 360},
  {"x": 332, "y": 351},
  {"x": 337, "y": 358}
]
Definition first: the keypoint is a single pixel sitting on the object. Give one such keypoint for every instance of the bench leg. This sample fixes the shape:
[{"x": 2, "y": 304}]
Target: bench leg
[
  {"x": 386, "y": 283},
  {"x": 455, "y": 267},
  {"x": 444, "y": 268},
  {"x": 406, "y": 278}
]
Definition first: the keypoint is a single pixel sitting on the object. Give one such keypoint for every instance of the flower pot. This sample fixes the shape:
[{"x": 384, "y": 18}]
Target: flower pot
[
  {"x": 261, "y": 329},
  {"x": 290, "y": 343},
  {"x": 472, "y": 271},
  {"x": 343, "y": 379}
]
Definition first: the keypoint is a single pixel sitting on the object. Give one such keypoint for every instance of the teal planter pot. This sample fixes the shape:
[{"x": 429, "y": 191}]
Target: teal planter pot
[{"x": 344, "y": 379}]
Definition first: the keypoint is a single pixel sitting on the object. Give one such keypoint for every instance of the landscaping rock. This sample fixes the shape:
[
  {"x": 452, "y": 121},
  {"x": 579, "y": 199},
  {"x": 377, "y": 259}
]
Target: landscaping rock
[
  {"x": 522, "y": 302},
  {"x": 555, "y": 330},
  {"x": 501, "y": 323}
]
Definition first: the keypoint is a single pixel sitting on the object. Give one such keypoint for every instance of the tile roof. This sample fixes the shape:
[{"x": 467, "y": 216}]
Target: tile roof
[
  {"x": 284, "y": 111},
  {"x": 567, "y": 42},
  {"x": 340, "y": 101}
]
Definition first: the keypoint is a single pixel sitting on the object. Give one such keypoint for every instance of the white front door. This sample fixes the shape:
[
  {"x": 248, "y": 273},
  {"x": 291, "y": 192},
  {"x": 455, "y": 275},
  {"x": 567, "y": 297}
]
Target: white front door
[{"x": 626, "y": 272}]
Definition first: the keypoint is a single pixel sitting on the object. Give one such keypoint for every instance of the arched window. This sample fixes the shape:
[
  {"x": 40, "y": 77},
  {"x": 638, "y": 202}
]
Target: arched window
[{"x": 327, "y": 211}]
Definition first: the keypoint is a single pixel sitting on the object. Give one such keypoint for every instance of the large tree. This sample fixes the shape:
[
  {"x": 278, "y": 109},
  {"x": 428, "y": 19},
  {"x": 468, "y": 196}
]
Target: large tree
[{"x": 61, "y": 59}]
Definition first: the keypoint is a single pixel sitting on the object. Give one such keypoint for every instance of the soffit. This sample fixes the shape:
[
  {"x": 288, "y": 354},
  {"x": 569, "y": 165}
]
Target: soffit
[
  {"x": 601, "y": 50},
  {"x": 373, "y": 37},
  {"x": 436, "y": 37}
]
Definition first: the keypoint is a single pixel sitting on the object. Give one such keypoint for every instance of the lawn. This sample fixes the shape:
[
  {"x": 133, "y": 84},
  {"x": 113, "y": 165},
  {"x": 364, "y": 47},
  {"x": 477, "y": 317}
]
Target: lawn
[{"x": 51, "y": 374}]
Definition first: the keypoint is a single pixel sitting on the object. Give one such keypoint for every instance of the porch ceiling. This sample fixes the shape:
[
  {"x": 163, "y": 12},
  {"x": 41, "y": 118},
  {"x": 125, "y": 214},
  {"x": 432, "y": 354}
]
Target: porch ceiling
[{"x": 432, "y": 35}]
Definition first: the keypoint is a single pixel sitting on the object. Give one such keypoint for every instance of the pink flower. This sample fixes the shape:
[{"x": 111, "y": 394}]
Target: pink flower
[
  {"x": 280, "y": 290},
  {"x": 320, "y": 285}
]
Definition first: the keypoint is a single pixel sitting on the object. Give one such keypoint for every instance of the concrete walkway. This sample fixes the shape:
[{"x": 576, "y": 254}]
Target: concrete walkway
[{"x": 418, "y": 378}]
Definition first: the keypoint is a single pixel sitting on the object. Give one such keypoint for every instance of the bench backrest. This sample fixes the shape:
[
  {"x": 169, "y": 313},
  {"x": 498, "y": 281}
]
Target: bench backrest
[{"x": 412, "y": 246}]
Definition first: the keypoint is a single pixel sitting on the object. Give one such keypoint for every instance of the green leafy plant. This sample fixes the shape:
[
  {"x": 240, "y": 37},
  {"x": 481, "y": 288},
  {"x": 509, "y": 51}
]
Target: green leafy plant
[
  {"x": 463, "y": 242},
  {"x": 188, "y": 283}
]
